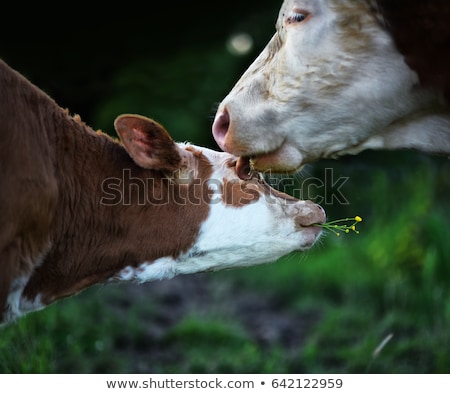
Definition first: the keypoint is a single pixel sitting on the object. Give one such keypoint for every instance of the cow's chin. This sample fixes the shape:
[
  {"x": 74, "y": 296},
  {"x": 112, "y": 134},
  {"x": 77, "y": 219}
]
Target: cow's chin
[{"x": 286, "y": 159}]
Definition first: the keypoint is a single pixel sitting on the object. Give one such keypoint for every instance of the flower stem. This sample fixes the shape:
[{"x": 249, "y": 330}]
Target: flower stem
[{"x": 336, "y": 228}]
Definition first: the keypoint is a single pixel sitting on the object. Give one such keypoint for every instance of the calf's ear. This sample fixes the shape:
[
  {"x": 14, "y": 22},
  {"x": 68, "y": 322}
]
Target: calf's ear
[{"x": 148, "y": 143}]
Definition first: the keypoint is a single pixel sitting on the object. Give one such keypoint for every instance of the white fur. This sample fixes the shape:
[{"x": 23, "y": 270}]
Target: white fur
[
  {"x": 230, "y": 238},
  {"x": 16, "y": 304}
]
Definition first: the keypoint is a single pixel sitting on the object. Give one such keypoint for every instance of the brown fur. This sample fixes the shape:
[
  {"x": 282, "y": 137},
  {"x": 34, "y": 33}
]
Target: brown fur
[
  {"x": 421, "y": 31},
  {"x": 53, "y": 226},
  {"x": 238, "y": 194}
]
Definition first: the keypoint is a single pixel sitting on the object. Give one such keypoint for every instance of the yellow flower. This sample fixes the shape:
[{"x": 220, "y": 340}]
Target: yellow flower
[{"x": 336, "y": 228}]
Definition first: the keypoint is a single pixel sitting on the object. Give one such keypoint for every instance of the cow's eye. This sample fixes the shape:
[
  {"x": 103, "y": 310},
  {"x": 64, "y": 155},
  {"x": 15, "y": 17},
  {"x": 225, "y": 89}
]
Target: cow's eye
[{"x": 297, "y": 17}]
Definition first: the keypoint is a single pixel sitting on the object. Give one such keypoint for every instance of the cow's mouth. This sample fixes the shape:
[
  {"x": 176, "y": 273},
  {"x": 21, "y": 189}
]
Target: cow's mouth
[
  {"x": 281, "y": 153},
  {"x": 285, "y": 159},
  {"x": 244, "y": 168},
  {"x": 282, "y": 157}
]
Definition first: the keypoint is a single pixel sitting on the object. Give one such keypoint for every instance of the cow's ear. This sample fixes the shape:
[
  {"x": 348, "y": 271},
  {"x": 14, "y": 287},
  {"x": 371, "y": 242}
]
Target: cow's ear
[{"x": 148, "y": 143}]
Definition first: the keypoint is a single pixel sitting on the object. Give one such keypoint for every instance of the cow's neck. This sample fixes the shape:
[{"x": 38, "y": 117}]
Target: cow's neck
[
  {"x": 427, "y": 131},
  {"x": 99, "y": 227}
]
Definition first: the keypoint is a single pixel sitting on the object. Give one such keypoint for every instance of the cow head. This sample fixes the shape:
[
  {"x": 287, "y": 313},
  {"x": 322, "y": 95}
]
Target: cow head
[{"x": 330, "y": 82}]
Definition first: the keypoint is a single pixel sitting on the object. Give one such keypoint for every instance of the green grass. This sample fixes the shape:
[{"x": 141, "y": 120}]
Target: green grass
[
  {"x": 352, "y": 293},
  {"x": 200, "y": 341}
]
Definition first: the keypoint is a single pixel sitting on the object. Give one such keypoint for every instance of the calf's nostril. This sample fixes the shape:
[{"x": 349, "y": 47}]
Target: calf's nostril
[
  {"x": 310, "y": 214},
  {"x": 220, "y": 127}
]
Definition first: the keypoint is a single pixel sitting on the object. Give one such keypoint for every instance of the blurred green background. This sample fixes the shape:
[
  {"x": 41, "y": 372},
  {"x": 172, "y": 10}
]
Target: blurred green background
[{"x": 377, "y": 302}]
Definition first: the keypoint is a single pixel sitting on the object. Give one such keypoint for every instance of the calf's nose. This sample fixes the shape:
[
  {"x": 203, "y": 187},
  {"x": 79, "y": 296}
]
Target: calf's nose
[
  {"x": 309, "y": 214},
  {"x": 220, "y": 127}
]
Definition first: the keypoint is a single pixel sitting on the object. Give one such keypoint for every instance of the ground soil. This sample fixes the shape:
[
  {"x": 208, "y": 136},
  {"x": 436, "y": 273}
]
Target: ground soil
[{"x": 266, "y": 319}]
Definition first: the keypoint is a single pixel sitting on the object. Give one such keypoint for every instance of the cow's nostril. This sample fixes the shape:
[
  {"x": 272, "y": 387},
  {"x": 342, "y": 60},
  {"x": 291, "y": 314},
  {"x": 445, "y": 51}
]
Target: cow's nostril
[{"x": 220, "y": 127}]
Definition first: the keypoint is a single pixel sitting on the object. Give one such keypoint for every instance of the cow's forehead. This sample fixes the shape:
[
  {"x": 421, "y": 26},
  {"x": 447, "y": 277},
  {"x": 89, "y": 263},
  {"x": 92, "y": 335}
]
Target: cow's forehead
[
  {"x": 316, "y": 5},
  {"x": 305, "y": 5}
]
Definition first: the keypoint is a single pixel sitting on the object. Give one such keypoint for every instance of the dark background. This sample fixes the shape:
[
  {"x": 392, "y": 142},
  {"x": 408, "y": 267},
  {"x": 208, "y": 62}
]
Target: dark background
[{"x": 167, "y": 60}]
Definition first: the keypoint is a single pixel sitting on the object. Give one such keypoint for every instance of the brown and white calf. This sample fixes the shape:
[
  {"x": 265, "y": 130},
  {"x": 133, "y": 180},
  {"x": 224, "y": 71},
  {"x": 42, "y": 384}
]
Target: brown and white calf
[
  {"x": 341, "y": 76},
  {"x": 79, "y": 208}
]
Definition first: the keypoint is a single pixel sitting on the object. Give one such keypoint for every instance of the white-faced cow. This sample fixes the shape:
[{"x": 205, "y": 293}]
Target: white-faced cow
[
  {"x": 341, "y": 76},
  {"x": 79, "y": 208}
]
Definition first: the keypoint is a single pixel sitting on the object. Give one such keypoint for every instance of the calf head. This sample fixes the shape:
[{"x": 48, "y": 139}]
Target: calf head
[
  {"x": 247, "y": 223},
  {"x": 331, "y": 81}
]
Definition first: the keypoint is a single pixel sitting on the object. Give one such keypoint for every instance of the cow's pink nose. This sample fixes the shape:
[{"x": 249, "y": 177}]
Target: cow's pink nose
[{"x": 220, "y": 127}]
